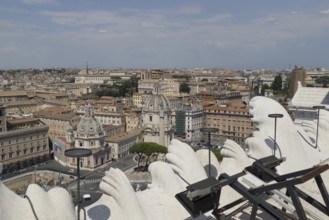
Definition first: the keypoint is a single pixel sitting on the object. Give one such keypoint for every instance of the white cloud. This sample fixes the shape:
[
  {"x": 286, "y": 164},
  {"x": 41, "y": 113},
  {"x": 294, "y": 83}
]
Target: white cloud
[
  {"x": 8, "y": 24},
  {"x": 215, "y": 19},
  {"x": 189, "y": 10},
  {"x": 37, "y": 1},
  {"x": 136, "y": 36},
  {"x": 148, "y": 24},
  {"x": 270, "y": 19},
  {"x": 220, "y": 30},
  {"x": 294, "y": 12},
  {"x": 325, "y": 11},
  {"x": 8, "y": 49},
  {"x": 102, "y": 31},
  {"x": 86, "y": 17}
]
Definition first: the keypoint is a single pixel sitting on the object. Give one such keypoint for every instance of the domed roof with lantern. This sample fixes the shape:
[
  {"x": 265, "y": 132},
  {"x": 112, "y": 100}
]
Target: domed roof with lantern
[
  {"x": 157, "y": 101},
  {"x": 88, "y": 124}
]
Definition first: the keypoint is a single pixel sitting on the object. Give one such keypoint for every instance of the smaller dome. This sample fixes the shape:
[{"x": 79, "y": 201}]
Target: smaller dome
[
  {"x": 157, "y": 102},
  {"x": 89, "y": 126}
]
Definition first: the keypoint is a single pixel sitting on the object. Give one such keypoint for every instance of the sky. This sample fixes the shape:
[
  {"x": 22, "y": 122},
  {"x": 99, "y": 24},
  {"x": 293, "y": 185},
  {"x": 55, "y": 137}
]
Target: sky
[{"x": 231, "y": 34}]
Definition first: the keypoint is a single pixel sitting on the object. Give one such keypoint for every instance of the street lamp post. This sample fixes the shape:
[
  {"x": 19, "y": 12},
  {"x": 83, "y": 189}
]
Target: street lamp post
[
  {"x": 209, "y": 131},
  {"x": 318, "y": 107},
  {"x": 275, "y": 116},
  {"x": 77, "y": 153}
]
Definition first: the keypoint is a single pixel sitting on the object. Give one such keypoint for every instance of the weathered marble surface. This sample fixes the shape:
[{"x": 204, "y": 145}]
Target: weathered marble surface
[{"x": 54, "y": 204}]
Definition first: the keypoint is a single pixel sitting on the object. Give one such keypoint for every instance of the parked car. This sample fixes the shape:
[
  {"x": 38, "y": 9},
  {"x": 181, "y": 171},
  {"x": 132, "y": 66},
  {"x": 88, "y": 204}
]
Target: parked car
[
  {"x": 86, "y": 197},
  {"x": 71, "y": 171}
]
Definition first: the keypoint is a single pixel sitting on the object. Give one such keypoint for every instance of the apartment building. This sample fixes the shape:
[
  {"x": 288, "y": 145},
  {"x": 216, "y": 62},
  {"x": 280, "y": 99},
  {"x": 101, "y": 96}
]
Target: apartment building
[
  {"x": 151, "y": 75},
  {"x": 93, "y": 79},
  {"x": 166, "y": 86},
  {"x": 3, "y": 126},
  {"x": 59, "y": 120},
  {"x": 114, "y": 130},
  {"x": 233, "y": 121},
  {"x": 133, "y": 119},
  {"x": 120, "y": 144},
  {"x": 110, "y": 118},
  {"x": 23, "y": 143},
  {"x": 23, "y": 107},
  {"x": 107, "y": 78},
  {"x": 139, "y": 99},
  {"x": 14, "y": 95},
  {"x": 189, "y": 121}
]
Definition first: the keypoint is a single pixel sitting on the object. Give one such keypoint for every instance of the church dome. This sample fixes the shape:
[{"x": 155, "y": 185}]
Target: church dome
[
  {"x": 157, "y": 102},
  {"x": 88, "y": 124}
]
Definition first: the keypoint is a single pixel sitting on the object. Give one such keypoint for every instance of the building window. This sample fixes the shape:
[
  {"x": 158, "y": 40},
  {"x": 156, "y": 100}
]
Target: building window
[
  {"x": 3, "y": 156},
  {"x": 151, "y": 118},
  {"x": 10, "y": 155},
  {"x": 31, "y": 150},
  {"x": 17, "y": 153}
]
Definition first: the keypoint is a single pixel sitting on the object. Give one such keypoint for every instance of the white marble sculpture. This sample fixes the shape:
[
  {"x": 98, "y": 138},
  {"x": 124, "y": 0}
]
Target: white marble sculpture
[
  {"x": 158, "y": 201},
  {"x": 310, "y": 129},
  {"x": 54, "y": 204},
  {"x": 290, "y": 143},
  {"x": 183, "y": 166}
]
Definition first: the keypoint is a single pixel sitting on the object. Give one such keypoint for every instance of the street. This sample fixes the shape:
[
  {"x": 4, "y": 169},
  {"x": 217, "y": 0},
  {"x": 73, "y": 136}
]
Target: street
[{"x": 89, "y": 183}]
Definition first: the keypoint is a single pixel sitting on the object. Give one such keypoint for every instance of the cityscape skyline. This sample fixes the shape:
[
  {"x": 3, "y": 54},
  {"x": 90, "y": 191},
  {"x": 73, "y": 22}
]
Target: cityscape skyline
[{"x": 163, "y": 34}]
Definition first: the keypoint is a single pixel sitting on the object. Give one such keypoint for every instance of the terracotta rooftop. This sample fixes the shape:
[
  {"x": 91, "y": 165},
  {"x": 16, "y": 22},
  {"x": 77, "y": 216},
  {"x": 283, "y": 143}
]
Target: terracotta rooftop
[
  {"x": 22, "y": 102},
  {"x": 124, "y": 136},
  {"x": 22, "y": 120},
  {"x": 58, "y": 113},
  {"x": 228, "y": 108},
  {"x": 12, "y": 93}
]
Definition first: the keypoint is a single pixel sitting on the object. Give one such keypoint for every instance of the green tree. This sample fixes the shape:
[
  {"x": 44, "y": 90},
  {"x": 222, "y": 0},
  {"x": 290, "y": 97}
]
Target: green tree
[
  {"x": 116, "y": 77},
  {"x": 204, "y": 80},
  {"x": 218, "y": 155},
  {"x": 187, "y": 77},
  {"x": 324, "y": 80},
  {"x": 100, "y": 93},
  {"x": 184, "y": 87},
  {"x": 264, "y": 87},
  {"x": 147, "y": 149},
  {"x": 128, "y": 87},
  {"x": 277, "y": 83},
  {"x": 120, "y": 88},
  {"x": 256, "y": 90}
]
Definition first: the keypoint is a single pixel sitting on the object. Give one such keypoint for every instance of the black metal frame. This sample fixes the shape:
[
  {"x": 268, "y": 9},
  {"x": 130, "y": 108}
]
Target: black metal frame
[
  {"x": 78, "y": 153},
  {"x": 265, "y": 170}
]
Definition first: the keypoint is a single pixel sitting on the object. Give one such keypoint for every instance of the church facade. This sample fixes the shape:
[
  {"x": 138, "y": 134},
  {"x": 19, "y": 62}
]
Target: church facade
[
  {"x": 157, "y": 125},
  {"x": 89, "y": 135}
]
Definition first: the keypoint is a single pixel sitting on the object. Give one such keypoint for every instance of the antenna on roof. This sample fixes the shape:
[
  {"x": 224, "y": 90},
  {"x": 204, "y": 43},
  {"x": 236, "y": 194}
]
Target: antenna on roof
[{"x": 87, "y": 70}]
